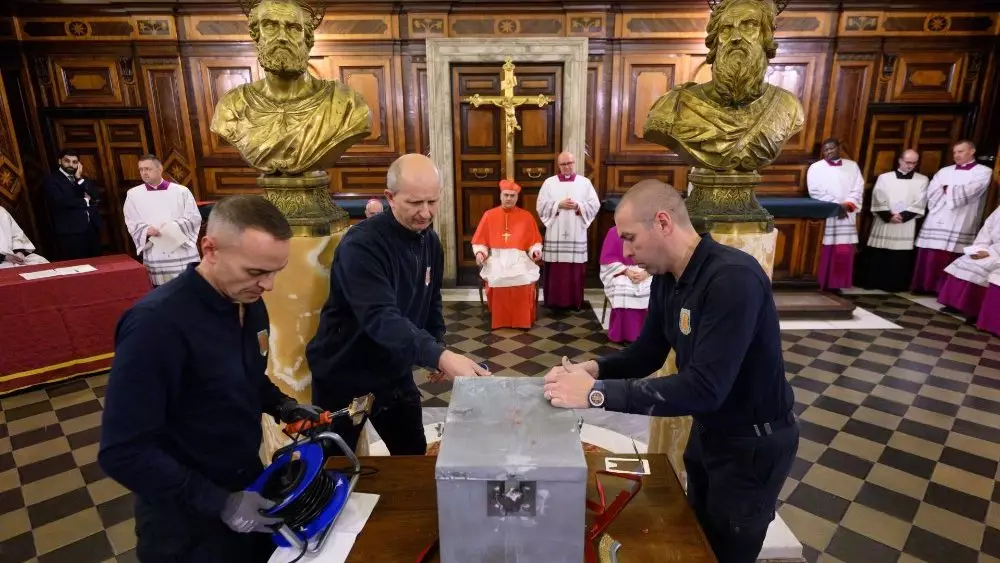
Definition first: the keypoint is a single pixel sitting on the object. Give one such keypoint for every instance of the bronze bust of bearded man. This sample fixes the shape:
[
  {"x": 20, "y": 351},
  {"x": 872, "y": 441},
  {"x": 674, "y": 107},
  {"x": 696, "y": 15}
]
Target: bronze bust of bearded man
[
  {"x": 737, "y": 121},
  {"x": 289, "y": 122}
]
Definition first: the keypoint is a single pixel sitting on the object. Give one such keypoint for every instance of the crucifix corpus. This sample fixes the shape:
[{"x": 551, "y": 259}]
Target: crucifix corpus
[{"x": 508, "y": 102}]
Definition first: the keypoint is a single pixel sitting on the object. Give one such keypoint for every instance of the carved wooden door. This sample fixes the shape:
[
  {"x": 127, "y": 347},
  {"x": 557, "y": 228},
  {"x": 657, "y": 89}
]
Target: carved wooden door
[
  {"x": 931, "y": 134},
  {"x": 109, "y": 150},
  {"x": 479, "y": 146}
]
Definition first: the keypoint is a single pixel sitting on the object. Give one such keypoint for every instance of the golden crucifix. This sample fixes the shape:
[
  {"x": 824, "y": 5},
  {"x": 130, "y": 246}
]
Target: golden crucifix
[{"x": 508, "y": 102}]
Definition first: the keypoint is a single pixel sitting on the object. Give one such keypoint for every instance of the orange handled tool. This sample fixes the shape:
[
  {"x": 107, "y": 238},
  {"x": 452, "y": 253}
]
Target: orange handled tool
[{"x": 297, "y": 427}]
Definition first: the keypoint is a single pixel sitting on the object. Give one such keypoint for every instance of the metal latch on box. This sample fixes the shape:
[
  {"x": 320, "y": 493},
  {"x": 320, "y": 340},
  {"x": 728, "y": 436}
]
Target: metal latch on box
[{"x": 510, "y": 497}]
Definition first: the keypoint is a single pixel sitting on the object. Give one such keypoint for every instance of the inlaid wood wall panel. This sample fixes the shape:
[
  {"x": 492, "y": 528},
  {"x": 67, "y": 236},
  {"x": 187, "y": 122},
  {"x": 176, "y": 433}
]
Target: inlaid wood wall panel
[
  {"x": 928, "y": 77},
  {"x": 376, "y": 79},
  {"x": 88, "y": 81},
  {"x": 212, "y": 77},
  {"x": 166, "y": 97},
  {"x": 640, "y": 80},
  {"x": 220, "y": 182},
  {"x": 847, "y": 105},
  {"x": 367, "y": 182},
  {"x": 623, "y": 177},
  {"x": 800, "y": 75},
  {"x": 783, "y": 180}
]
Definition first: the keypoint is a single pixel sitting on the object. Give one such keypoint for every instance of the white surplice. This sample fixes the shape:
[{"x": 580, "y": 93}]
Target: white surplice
[
  {"x": 952, "y": 216},
  {"x": 13, "y": 238},
  {"x": 897, "y": 195},
  {"x": 565, "y": 238},
  {"x": 837, "y": 184},
  {"x": 622, "y": 292},
  {"x": 145, "y": 208},
  {"x": 988, "y": 240}
]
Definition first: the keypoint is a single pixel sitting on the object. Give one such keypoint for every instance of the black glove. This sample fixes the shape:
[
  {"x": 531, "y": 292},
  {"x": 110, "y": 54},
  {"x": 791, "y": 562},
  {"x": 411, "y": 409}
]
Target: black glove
[
  {"x": 243, "y": 513},
  {"x": 292, "y": 411}
]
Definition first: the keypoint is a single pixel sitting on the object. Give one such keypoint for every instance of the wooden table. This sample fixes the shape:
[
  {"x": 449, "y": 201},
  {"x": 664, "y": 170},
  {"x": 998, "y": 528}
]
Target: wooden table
[{"x": 658, "y": 525}]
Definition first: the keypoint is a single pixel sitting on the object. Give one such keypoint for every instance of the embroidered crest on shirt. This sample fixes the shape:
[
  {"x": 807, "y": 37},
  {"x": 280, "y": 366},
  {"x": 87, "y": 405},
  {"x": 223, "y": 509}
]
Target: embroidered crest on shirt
[
  {"x": 685, "y": 322},
  {"x": 427, "y": 277},
  {"x": 262, "y": 341}
]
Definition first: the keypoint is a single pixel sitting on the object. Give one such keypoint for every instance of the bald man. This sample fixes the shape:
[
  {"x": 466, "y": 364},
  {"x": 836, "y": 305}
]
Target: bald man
[
  {"x": 567, "y": 204},
  {"x": 373, "y": 207},
  {"x": 713, "y": 305},
  {"x": 181, "y": 424},
  {"x": 898, "y": 199},
  {"x": 384, "y": 315}
]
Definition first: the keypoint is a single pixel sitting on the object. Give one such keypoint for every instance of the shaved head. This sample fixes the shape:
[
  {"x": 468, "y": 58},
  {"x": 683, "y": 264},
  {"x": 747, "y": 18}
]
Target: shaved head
[
  {"x": 655, "y": 227},
  {"x": 413, "y": 188},
  {"x": 650, "y": 197}
]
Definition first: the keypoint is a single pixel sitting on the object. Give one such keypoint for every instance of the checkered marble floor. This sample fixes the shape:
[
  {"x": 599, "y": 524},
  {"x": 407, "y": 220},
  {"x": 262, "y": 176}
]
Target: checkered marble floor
[{"x": 898, "y": 459}]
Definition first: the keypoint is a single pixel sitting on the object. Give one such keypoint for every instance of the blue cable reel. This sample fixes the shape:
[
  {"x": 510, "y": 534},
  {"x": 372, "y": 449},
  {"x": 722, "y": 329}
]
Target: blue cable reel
[{"x": 308, "y": 497}]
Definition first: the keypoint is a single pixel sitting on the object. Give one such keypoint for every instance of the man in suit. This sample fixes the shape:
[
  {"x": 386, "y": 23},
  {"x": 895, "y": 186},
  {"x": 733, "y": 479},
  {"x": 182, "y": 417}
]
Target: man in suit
[{"x": 73, "y": 203}]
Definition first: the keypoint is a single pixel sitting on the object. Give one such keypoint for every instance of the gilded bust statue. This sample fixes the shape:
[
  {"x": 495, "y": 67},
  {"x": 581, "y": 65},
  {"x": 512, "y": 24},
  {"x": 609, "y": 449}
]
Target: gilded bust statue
[
  {"x": 736, "y": 121},
  {"x": 289, "y": 122}
]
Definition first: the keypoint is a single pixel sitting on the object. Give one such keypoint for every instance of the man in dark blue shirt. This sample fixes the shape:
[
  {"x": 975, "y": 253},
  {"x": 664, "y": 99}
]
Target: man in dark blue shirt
[
  {"x": 384, "y": 315},
  {"x": 182, "y": 415},
  {"x": 713, "y": 305}
]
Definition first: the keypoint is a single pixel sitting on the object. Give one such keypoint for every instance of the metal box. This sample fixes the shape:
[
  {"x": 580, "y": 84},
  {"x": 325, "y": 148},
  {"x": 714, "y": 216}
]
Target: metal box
[{"x": 511, "y": 476}]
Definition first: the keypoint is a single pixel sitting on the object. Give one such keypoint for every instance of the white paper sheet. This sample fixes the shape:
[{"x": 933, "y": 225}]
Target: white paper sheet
[
  {"x": 39, "y": 274},
  {"x": 341, "y": 539},
  {"x": 170, "y": 238}
]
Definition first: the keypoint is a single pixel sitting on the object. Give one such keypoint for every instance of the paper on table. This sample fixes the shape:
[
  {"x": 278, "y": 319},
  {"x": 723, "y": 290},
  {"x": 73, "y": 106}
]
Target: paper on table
[
  {"x": 75, "y": 269},
  {"x": 170, "y": 238},
  {"x": 39, "y": 274},
  {"x": 341, "y": 539}
]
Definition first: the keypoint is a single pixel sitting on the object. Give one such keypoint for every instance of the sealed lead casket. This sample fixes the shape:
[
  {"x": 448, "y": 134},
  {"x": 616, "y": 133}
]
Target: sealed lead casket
[{"x": 511, "y": 476}]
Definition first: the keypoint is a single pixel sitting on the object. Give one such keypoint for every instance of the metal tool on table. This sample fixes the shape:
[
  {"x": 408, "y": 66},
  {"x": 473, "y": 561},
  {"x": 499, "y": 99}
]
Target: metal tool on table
[{"x": 307, "y": 497}]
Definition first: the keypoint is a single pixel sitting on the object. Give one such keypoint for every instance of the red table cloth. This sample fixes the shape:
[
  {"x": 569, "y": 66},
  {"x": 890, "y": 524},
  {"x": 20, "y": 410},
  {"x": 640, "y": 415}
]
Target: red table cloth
[{"x": 62, "y": 326}]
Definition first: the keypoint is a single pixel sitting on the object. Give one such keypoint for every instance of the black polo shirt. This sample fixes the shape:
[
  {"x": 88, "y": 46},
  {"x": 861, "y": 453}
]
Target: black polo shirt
[
  {"x": 186, "y": 393},
  {"x": 721, "y": 320}
]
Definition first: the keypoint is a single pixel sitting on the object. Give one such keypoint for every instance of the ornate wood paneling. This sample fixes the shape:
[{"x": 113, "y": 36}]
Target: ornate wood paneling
[
  {"x": 639, "y": 80},
  {"x": 901, "y": 24},
  {"x": 11, "y": 171},
  {"x": 220, "y": 182},
  {"x": 596, "y": 123},
  {"x": 847, "y": 105},
  {"x": 213, "y": 77},
  {"x": 421, "y": 25},
  {"x": 89, "y": 81},
  {"x": 785, "y": 251},
  {"x": 783, "y": 180},
  {"x": 691, "y": 25},
  {"x": 335, "y": 27},
  {"x": 374, "y": 77},
  {"x": 623, "y": 177},
  {"x": 928, "y": 77},
  {"x": 363, "y": 181},
  {"x": 98, "y": 28},
  {"x": 168, "y": 114}
]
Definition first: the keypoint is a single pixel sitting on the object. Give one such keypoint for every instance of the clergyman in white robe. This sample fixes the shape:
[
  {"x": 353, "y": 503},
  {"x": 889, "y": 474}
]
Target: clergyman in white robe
[
  {"x": 15, "y": 248},
  {"x": 955, "y": 199},
  {"x": 967, "y": 278},
  {"x": 898, "y": 199},
  {"x": 172, "y": 210},
  {"x": 567, "y": 204},
  {"x": 837, "y": 181},
  {"x": 627, "y": 288}
]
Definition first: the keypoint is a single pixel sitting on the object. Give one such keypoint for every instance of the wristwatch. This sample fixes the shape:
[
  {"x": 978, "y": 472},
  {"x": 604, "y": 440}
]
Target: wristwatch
[{"x": 596, "y": 397}]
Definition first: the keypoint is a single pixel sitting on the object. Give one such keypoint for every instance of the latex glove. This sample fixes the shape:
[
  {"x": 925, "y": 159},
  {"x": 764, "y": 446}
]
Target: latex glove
[
  {"x": 293, "y": 412},
  {"x": 243, "y": 513}
]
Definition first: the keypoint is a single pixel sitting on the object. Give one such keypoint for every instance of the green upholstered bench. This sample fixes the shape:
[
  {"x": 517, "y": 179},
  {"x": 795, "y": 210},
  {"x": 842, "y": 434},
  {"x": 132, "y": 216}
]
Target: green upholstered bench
[{"x": 779, "y": 207}]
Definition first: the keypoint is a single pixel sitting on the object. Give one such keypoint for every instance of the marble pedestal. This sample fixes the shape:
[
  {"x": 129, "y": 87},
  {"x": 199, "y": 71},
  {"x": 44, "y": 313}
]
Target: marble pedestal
[{"x": 300, "y": 290}]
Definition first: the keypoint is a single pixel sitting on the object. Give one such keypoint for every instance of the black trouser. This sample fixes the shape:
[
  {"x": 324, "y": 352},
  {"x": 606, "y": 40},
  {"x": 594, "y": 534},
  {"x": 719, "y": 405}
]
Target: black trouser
[
  {"x": 79, "y": 245},
  {"x": 733, "y": 486},
  {"x": 396, "y": 415},
  {"x": 171, "y": 534}
]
